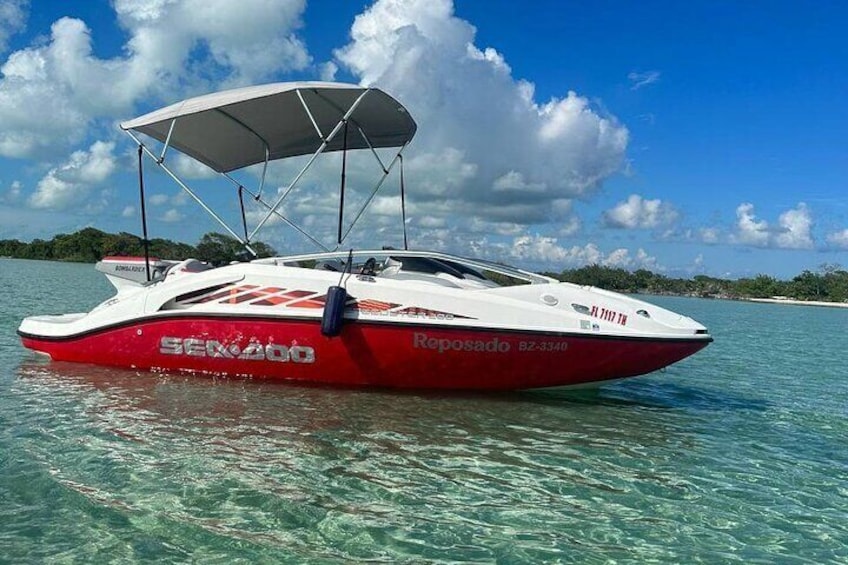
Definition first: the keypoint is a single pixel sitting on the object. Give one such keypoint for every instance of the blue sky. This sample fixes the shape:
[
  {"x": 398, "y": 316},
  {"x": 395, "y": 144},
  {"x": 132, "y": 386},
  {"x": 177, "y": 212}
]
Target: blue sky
[{"x": 698, "y": 137}]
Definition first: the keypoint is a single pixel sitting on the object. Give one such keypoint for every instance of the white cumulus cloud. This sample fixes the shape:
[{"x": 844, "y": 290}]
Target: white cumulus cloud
[
  {"x": 158, "y": 199},
  {"x": 838, "y": 239},
  {"x": 638, "y": 212},
  {"x": 172, "y": 215},
  {"x": 709, "y": 235},
  {"x": 793, "y": 229},
  {"x": 173, "y": 46},
  {"x": 188, "y": 168},
  {"x": 750, "y": 230},
  {"x": 545, "y": 250},
  {"x": 69, "y": 183},
  {"x": 484, "y": 140},
  {"x": 12, "y": 194},
  {"x": 250, "y": 40},
  {"x": 13, "y": 16}
]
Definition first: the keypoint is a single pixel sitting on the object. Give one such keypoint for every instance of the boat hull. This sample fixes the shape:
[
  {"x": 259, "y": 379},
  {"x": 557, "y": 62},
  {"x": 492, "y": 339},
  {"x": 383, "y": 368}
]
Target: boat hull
[{"x": 368, "y": 353}]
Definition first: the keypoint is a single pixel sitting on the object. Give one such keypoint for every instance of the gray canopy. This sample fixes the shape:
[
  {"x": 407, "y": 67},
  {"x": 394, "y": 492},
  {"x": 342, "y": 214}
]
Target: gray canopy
[{"x": 231, "y": 129}]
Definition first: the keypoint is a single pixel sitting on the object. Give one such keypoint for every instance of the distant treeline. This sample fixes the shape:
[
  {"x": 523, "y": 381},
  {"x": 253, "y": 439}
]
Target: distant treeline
[
  {"x": 829, "y": 284},
  {"x": 90, "y": 245}
]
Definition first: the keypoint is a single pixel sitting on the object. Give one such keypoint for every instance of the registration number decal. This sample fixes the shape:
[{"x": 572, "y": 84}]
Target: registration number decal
[
  {"x": 542, "y": 346},
  {"x": 608, "y": 315}
]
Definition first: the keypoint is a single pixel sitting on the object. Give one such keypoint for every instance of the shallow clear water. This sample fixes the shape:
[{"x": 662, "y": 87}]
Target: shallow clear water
[{"x": 737, "y": 454}]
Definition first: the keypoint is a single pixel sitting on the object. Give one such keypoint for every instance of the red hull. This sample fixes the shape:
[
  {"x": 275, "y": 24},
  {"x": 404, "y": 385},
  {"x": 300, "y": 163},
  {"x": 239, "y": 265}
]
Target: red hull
[{"x": 368, "y": 354}]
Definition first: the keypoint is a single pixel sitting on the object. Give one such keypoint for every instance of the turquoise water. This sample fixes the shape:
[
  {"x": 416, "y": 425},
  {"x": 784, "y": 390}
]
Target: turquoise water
[{"x": 737, "y": 454}]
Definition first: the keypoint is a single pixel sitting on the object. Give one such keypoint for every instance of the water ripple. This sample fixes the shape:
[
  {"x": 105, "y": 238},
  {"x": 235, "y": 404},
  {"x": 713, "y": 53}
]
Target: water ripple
[{"x": 736, "y": 455}]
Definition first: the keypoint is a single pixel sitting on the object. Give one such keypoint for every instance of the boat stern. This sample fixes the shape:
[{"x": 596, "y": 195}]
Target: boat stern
[{"x": 38, "y": 332}]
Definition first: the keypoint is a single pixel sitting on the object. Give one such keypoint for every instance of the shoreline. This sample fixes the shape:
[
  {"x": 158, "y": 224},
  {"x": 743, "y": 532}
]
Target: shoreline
[
  {"x": 789, "y": 301},
  {"x": 792, "y": 301}
]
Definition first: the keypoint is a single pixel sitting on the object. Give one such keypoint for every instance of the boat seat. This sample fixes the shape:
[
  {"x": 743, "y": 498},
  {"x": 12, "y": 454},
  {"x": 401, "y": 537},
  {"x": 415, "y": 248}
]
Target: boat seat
[
  {"x": 396, "y": 274},
  {"x": 189, "y": 266},
  {"x": 336, "y": 265}
]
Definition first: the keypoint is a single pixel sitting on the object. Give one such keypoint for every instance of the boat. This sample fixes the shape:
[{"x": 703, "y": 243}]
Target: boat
[{"x": 381, "y": 317}]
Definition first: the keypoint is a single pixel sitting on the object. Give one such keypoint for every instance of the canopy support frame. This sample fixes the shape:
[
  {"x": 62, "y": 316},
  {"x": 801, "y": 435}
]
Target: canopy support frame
[
  {"x": 376, "y": 189},
  {"x": 167, "y": 141},
  {"x": 191, "y": 193},
  {"x": 344, "y": 122},
  {"x": 403, "y": 207},
  {"x": 354, "y": 122},
  {"x": 145, "y": 241},
  {"x": 264, "y": 144},
  {"x": 342, "y": 186},
  {"x": 277, "y": 213},
  {"x": 325, "y": 142},
  {"x": 371, "y": 147},
  {"x": 309, "y": 113}
]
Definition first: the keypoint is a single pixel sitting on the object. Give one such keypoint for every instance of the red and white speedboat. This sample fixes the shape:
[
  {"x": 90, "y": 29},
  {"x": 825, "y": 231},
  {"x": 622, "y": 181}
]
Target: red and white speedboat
[{"x": 389, "y": 318}]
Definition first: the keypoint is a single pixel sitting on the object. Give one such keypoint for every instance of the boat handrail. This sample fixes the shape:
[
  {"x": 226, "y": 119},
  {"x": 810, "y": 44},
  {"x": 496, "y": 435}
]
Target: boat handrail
[{"x": 506, "y": 270}]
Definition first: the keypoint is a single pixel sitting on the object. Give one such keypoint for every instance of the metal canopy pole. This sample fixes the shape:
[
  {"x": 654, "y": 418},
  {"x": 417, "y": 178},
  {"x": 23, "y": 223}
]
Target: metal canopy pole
[
  {"x": 371, "y": 147},
  {"x": 241, "y": 205},
  {"x": 342, "y": 189},
  {"x": 264, "y": 171},
  {"x": 374, "y": 192},
  {"x": 309, "y": 113},
  {"x": 260, "y": 138},
  {"x": 145, "y": 242},
  {"x": 352, "y": 120},
  {"x": 306, "y": 167},
  {"x": 403, "y": 205},
  {"x": 167, "y": 141},
  {"x": 197, "y": 199},
  {"x": 290, "y": 223}
]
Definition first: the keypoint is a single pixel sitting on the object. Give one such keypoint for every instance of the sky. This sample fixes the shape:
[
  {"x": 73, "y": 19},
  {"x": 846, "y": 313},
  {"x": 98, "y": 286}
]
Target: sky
[{"x": 700, "y": 137}]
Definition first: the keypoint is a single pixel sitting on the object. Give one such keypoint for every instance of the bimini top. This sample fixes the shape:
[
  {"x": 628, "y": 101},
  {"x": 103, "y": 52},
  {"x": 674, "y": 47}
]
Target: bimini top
[{"x": 232, "y": 129}]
